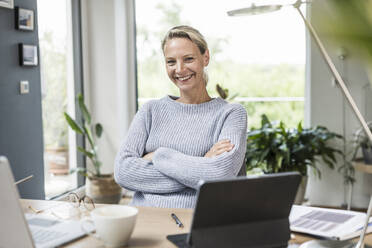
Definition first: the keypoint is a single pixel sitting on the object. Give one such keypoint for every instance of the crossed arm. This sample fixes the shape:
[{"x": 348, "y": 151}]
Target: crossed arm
[
  {"x": 167, "y": 170},
  {"x": 217, "y": 149}
]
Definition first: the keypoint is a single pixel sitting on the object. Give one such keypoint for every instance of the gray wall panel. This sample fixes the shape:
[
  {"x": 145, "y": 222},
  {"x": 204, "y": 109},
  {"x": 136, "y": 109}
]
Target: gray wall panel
[{"x": 21, "y": 138}]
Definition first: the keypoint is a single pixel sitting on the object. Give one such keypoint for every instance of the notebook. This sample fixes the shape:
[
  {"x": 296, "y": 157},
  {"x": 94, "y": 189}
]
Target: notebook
[
  {"x": 31, "y": 230},
  {"x": 242, "y": 212}
]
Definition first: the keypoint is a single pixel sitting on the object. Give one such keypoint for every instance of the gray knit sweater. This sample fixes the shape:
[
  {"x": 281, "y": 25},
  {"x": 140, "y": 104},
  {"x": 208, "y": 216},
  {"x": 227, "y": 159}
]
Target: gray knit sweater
[{"x": 180, "y": 135}]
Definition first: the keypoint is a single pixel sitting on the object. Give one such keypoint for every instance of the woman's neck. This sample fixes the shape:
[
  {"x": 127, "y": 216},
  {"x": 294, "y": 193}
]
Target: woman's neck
[{"x": 194, "y": 98}]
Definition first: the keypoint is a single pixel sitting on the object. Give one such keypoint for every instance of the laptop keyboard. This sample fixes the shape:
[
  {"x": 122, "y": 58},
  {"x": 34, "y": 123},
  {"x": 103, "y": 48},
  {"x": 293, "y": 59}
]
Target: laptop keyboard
[{"x": 42, "y": 235}]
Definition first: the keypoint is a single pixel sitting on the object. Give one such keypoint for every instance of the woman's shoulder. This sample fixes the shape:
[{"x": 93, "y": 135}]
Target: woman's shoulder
[
  {"x": 153, "y": 103},
  {"x": 234, "y": 106}
]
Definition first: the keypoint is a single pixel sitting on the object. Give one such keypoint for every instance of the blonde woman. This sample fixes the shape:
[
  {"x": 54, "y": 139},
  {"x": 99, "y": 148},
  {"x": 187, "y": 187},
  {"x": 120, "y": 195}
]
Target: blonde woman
[{"x": 175, "y": 142}]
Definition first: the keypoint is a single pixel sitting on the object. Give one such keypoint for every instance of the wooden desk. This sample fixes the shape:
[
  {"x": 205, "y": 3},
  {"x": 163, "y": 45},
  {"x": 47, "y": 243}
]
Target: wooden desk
[{"x": 152, "y": 227}]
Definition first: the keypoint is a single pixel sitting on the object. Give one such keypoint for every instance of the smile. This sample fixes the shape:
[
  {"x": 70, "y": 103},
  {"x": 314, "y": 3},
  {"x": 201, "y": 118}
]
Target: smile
[{"x": 184, "y": 78}]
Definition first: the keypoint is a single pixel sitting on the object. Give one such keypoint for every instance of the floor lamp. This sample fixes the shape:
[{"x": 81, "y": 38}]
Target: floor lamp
[{"x": 254, "y": 10}]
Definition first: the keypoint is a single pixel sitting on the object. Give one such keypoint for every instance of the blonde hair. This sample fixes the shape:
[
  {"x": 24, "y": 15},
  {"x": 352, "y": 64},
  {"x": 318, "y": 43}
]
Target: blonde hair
[{"x": 191, "y": 34}]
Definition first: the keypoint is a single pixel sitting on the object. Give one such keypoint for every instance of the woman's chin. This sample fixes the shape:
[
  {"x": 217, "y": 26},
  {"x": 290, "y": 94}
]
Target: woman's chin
[{"x": 185, "y": 84}]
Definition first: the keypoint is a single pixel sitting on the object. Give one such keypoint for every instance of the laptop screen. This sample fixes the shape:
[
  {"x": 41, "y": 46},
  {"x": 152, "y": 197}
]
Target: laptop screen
[{"x": 11, "y": 214}]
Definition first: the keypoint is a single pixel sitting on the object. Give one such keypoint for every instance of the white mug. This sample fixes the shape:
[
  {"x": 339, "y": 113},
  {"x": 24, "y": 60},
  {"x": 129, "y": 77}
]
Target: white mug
[{"x": 114, "y": 224}]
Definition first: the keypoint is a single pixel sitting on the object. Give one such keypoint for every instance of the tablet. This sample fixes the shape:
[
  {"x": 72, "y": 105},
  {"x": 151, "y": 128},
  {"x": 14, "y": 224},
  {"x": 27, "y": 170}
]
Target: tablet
[{"x": 242, "y": 211}]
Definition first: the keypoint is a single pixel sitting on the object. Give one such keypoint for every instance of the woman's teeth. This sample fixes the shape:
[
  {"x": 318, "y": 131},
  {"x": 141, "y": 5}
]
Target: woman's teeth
[{"x": 184, "y": 78}]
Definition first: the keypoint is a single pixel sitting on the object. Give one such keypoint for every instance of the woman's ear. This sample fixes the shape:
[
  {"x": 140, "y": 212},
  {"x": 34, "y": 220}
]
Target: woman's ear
[{"x": 206, "y": 57}]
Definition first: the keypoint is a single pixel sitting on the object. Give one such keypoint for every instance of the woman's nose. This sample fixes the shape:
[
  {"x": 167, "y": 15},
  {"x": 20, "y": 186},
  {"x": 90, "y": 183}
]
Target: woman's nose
[{"x": 179, "y": 67}]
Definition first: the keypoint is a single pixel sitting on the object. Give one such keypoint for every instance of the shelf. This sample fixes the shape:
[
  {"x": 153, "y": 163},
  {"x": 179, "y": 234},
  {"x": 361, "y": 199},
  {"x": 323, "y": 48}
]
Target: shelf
[{"x": 361, "y": 166}]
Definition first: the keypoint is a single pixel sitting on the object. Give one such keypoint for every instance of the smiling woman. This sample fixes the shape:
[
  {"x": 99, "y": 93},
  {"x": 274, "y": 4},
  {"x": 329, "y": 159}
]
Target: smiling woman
[
  {"x": 186, "y": 55},
  {"x": 175, "y": 142}
]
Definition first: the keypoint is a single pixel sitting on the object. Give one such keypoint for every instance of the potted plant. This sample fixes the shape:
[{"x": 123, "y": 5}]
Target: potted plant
[
  {"x": 102, "y": 188},
  {"x": 273, "y": 148},
  {"x": 362, "y": 141}
]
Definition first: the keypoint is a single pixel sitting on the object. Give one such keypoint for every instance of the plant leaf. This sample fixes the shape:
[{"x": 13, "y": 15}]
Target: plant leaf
[
  {"x": 84, "y": 110},
  {"x": 85, "y": 152},
  {"x": 73, "y": 124},
  {"x": 80, "y": 170},
  {"x": 222, "y": 92},
  {"x": 99, "y": 130}
]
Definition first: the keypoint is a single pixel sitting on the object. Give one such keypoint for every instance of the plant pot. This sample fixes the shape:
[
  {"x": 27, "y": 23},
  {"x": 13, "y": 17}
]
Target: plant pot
[
  {"x": 301, "y": 191},
  {"x": 367, "y": 155},
  {"x": 103, "y": 189},
  {"x": 57, "y": 160}
]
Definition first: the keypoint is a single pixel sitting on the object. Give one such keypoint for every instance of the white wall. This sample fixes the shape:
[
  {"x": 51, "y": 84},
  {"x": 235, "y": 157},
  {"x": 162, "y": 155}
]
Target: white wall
[
  {"x": 109, "y": 71},
  {"x": 328, "y": 107}
]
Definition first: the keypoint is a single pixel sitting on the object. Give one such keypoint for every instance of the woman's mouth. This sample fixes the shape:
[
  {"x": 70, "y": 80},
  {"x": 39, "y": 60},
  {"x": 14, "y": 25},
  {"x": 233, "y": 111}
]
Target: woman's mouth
[{"x": 184, "y": 78}]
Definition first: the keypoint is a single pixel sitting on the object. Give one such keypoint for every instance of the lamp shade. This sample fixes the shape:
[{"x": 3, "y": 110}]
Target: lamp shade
[{"x": 254, "y": 10}]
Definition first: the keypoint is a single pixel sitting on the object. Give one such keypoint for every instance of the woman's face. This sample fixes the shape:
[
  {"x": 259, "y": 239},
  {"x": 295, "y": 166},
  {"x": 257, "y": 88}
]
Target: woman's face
[{"x": 185, "y": 64}]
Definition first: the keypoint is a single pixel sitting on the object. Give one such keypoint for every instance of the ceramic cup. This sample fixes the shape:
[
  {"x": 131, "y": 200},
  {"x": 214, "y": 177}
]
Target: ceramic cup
[{"x": 114, "y": 224}]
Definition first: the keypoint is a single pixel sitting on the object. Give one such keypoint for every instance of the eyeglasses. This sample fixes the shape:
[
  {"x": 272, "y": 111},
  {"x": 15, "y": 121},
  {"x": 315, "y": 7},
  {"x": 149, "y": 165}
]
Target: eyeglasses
[
  {"x": 75, "y": 201},
  {"x": 61, "y": 211}
]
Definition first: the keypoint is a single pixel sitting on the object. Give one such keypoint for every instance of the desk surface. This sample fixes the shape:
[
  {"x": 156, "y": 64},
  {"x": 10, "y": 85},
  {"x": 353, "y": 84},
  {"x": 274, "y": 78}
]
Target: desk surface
[{"x": 152, "y": 227}]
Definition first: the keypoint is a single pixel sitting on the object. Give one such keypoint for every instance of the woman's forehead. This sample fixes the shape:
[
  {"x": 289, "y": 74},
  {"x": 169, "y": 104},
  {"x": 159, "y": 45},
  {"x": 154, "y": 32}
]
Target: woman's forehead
[{"x": 180, "y": 46}]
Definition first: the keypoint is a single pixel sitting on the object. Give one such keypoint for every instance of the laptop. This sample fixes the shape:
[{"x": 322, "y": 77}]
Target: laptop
[
  {"x": 31, "y": 230},
  {"x": 242, "y": 212}
]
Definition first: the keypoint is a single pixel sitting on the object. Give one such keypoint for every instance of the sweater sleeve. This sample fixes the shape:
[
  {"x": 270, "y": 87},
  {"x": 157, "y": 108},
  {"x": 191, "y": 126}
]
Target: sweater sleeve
[
  {"x": 189, "y": 170},
  {"x": 131, "y": 170}
]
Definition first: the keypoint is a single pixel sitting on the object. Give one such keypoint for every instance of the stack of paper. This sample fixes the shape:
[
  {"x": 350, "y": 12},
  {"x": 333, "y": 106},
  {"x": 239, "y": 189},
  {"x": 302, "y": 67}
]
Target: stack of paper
[{"x": 328, "y": 223}]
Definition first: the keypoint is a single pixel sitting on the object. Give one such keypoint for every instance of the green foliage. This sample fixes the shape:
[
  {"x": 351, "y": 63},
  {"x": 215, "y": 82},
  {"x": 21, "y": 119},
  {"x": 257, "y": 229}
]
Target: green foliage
[
  {"x": 224, "y": 93},
  {"x": 90, "y": 132},
  {"x": 84, "y": 109},
  {"x": 274, "y": 148},
  {"x": 74, "y": 126},
  {"x": 361, "y": 139}
]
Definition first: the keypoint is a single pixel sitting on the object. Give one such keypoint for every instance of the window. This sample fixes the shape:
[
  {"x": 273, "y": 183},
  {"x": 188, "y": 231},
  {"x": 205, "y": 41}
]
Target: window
[
  {"x": 58, "y": 91},
  {"x": 261, "y": 58}
]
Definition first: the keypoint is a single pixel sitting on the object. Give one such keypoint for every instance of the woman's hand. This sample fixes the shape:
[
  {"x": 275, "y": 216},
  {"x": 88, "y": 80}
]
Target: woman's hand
[
  {"x": 219, "y": 148},
  {"x": 148, "y": 156}
]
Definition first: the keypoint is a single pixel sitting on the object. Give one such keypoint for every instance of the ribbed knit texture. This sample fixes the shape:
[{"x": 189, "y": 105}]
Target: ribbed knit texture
[{"x": 180, "y": 134}]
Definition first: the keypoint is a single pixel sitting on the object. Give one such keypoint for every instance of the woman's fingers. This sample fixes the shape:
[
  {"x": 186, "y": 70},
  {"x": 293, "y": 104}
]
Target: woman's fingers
[
  {"x": 224, "y": 148},
  {"x": 221, "y": 143},
  {"x": 219, "y": 148},
  {"x": 148, "y": 156}
]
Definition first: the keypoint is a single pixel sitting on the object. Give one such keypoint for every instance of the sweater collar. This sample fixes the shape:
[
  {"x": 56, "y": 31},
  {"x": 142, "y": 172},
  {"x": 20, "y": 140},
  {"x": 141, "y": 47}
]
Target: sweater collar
[{"x": 212, "y": 102}]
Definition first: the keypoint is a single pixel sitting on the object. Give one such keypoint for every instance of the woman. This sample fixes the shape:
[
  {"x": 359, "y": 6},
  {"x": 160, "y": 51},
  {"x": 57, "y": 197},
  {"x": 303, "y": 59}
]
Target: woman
[{"x": 175, "y": 142}]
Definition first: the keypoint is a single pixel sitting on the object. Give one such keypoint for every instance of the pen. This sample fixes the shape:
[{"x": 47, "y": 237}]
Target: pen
[
  {"x": 23, "y": 180},
  {"x": 178, "y": 222}
]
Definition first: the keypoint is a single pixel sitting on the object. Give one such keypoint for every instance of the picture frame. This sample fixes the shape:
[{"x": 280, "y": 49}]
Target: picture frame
[
  {"x": 28, "y": 55},
  {"x": 7, "y": 4},
  {"x": 24, "y": 19}
]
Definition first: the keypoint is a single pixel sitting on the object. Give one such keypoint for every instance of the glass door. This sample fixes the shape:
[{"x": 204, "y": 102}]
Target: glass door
[{"x": 57, "y": 76}]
